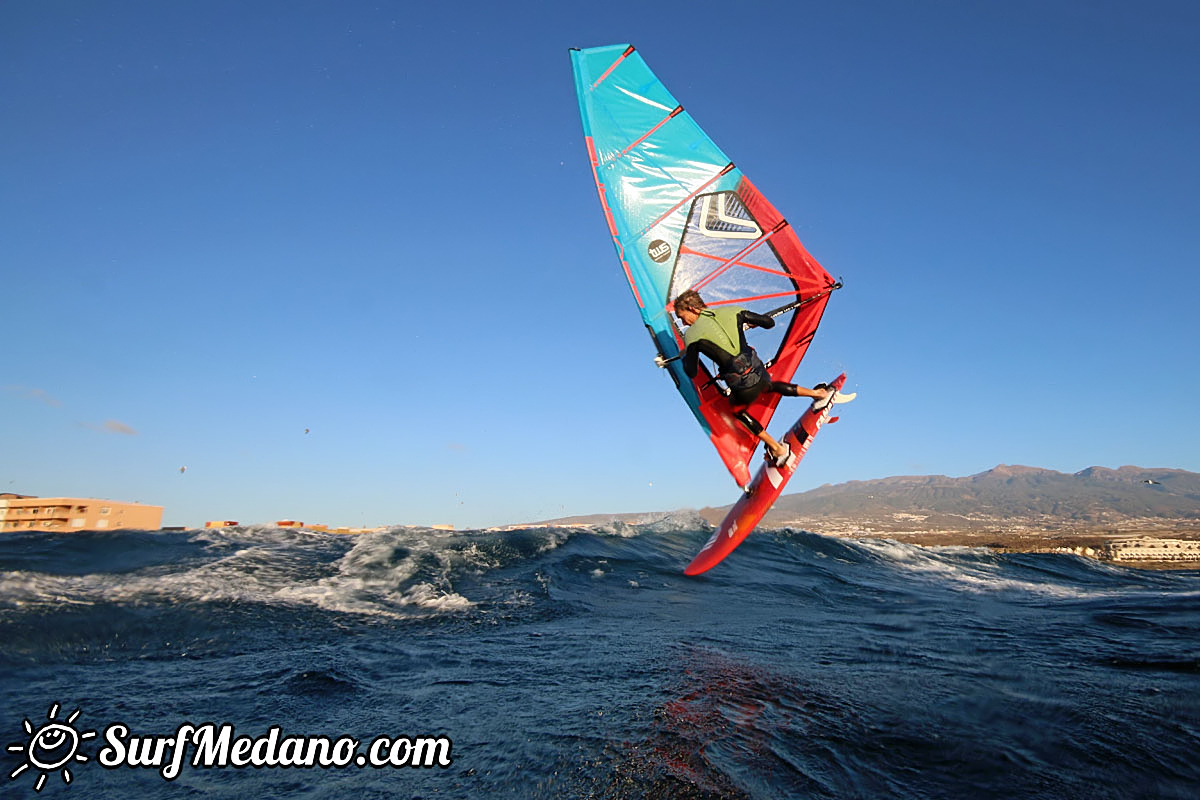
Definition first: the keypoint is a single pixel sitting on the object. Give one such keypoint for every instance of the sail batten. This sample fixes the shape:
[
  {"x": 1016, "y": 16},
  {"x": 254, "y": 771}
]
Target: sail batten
[
  {"x": 694, "y": 193},
  {"x": 736, "y": 260},
  {"x": 615, "y": 64},
  {"x": 683, "y": 216},
  {"x": 649, "y": 133}
]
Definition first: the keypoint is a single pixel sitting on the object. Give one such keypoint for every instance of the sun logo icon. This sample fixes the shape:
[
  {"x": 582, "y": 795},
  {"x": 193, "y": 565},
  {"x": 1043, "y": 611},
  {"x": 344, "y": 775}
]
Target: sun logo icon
[{"x": 51, "y": 747}]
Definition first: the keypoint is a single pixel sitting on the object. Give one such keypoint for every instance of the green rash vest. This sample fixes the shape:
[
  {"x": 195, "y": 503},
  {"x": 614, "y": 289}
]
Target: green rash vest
[{"x": 719, "y": 326}]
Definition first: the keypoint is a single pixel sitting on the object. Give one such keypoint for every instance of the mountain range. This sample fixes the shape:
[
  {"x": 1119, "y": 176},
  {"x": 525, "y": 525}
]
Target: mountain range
[
  {"x": 1002, "y": 498},
  {"x": 1093, "y": 497}
]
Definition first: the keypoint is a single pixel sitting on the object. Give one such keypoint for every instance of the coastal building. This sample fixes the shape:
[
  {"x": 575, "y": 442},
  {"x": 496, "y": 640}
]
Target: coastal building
[
  {"x": 20, "y": 512},
  {"x": 1148, "y": 548}
]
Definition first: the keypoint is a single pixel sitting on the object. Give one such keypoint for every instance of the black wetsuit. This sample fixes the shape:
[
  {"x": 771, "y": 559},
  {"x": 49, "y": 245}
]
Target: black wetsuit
[{"x": 743, "y": 372}]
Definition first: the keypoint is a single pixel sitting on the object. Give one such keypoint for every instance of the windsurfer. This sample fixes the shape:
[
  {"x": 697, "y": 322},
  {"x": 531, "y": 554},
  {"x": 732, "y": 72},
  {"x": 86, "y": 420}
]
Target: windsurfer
[{"x": 720, "y": 335}]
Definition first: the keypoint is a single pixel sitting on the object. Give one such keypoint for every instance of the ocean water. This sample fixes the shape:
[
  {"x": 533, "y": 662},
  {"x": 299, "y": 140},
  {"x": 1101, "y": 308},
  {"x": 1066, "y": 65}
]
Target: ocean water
[{"x": 581, "y": 663}]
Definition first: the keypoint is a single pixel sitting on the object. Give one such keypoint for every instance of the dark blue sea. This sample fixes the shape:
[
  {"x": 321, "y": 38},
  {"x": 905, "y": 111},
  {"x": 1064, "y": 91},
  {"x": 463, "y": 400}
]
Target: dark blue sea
[{"x": 581, "y": 663}]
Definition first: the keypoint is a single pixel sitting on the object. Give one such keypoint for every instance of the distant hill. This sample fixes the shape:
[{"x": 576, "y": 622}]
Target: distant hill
[
  {"x": 1095, "y": 496},
  {"x": 1092, "y": 498}
]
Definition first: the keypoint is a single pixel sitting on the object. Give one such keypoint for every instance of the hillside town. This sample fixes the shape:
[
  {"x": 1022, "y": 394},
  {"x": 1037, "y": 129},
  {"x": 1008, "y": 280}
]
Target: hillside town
[{"x": 23, "y": 512}]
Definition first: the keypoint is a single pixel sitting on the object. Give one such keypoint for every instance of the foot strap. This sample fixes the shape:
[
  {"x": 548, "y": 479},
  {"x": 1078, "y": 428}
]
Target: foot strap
[{"x": 781, "y": 461}]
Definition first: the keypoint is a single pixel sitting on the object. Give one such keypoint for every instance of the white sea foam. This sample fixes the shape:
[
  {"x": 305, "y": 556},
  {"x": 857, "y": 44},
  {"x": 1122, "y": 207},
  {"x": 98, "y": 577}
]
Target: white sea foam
[
  {"x": 378, "y": 574},
  {"x": 371, "y": 578},
  {"x": 946, "y": 565},
  {"x": 670, "y": 522}
]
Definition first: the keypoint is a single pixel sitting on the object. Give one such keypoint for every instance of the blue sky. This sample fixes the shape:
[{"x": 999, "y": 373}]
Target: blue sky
[{"x": 222, "y": 224}]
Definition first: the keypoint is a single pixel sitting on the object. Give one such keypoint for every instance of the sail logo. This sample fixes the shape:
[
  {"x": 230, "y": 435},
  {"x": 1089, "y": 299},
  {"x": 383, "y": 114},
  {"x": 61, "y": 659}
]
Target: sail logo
[
  {"x": 659, "y": 250},
  {"x": 721, "y": 218}
]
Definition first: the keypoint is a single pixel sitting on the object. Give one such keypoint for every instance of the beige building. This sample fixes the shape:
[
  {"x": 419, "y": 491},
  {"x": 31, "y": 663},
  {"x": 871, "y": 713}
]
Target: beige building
[
  {"x": 23, "y": 512},
  {"x": 1149, "y": 548}
]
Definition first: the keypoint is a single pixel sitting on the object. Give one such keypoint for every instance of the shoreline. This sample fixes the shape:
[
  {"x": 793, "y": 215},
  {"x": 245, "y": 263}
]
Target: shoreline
[
  {"x": 1093, "y": 539},
  {"x": 1095, "y": 544}
]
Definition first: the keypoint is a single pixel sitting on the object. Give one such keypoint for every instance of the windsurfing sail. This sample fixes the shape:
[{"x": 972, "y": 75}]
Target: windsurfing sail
[{"x": 682, "y": 216}]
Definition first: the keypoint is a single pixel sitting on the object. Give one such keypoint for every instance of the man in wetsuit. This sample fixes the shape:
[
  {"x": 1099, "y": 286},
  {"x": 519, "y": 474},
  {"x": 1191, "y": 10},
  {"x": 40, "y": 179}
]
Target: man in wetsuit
[{"x": 720, "y": 335}]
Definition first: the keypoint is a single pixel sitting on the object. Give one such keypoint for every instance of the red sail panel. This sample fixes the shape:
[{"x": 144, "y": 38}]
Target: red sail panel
[{"x": 763, "y": 273}]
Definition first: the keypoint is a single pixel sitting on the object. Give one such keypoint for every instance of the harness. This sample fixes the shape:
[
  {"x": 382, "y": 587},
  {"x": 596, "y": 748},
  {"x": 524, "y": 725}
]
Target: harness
[{"x": 745, "y": 369}]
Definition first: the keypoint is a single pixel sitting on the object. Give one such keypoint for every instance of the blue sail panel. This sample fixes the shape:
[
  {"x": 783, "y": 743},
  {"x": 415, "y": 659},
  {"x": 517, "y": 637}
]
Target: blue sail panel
[{"x": 645, "y": 178}]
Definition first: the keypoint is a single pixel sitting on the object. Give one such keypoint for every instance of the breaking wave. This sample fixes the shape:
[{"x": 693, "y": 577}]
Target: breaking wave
[{"x": 405, "y": 571}]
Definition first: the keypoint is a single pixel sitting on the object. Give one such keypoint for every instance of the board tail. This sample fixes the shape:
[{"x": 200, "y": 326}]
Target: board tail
[{"x": 764, "y": 490}]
